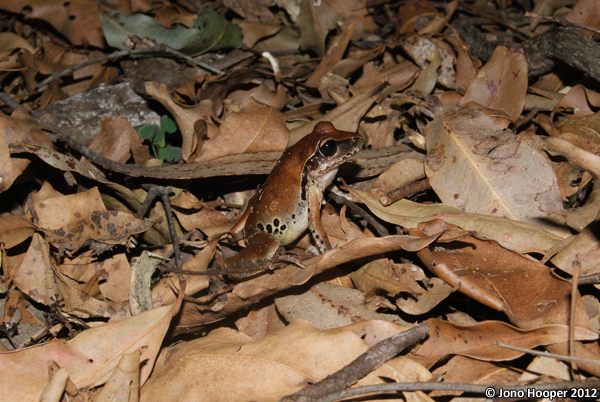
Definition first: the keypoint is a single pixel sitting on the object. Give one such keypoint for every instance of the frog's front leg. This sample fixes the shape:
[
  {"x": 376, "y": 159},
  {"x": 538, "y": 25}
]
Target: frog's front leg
[
  {"x": 262, "y": 248},
  {"x": 314, "y": 222}
]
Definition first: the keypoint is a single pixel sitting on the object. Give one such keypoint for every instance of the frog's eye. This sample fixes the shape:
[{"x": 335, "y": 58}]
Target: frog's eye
[{"x": 328, "y": 147}]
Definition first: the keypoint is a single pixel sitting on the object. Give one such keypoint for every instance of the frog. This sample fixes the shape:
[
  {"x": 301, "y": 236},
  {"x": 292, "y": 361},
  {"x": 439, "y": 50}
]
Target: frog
[{"x": 289, "y": 202}]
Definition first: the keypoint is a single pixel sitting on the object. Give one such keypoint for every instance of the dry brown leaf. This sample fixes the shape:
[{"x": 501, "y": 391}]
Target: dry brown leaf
[
  {"x": 470, "y": 371},
  {"x": 78, "y": 20},
  {"x": 500, "y": 85},
  {"x": 474, "y": 165},
  {"x": 329, "y": 306},
  {"x": 436, "y": 292},
  {"x": 580, "y": 157},
  {"x": 375, "y": 74},
  {"x": 118, "y": 141},
  {"x": 255, "y": 128},
  {"x": 525, "y": 290},
  {"x": 585, "y": 12},
  {"x": 124, "y": 383},
  {"x": 476, "y": 341},
  {"x": 315, "y": 21},
  {"x": 334, "y": 54},
  {"x": 15, "y": 229},
  {"x": 109, "y": 227},
  {"x": 188, "y": 118},
  {"x": 400, "y": 174},
  {"x": 16, "y": 129},
  {"x": 255, "y": 31},
  {"x": 263, "y": 370}
]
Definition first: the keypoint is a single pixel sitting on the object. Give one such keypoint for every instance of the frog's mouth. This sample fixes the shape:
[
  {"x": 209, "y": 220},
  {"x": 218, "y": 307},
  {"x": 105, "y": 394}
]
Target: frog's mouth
[{"x": 325, "y": 178}]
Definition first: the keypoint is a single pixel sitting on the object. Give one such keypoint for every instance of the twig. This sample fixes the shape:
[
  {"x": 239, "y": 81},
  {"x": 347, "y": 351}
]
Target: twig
[
  {"x": 163, "y": 192},
  {"x": 562, "y": 22},
  {"x": 489, "y": 390},
  {"x": 418, "y": 186},
  {"x": 546, "y": 354},
  {"x": 497, "y": 20},
  {"x": 356, "y": 210},
  {"x": 574, "y": 294},
  {"x": 362, "y": 365},
  {"x": 9, "y": 101},
  {"x": 130, "y": 52}
]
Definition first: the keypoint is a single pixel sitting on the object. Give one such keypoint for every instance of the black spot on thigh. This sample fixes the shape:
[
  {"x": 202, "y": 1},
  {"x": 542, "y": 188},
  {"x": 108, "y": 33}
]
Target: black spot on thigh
[
  {"x": 276, "y": 231},
  {"x": 283, "y": 227},
  {"x": 261, "y": 227},
  {"x": 276, "y": 222},
  {"x": 269, "y": 228},
  {"x": 293, "y": 216}
]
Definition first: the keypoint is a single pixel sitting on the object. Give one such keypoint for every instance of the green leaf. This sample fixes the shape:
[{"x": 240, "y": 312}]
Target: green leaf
[
  {"x": 169, "y": 154},
  {"x": 159, "y": 138},
  {"x": 210, "y": 31},
  {"x": 146, "y": 131},
  {"x": 168, "y": 125}
]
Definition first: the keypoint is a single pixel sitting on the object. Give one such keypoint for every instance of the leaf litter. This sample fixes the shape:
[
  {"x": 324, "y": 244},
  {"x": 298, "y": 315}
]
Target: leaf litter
[{"x": 481, "y": 157}]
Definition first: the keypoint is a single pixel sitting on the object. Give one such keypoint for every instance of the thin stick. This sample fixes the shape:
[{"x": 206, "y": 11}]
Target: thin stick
[
  {"x": 562, "y": 22},
  {"x": 546, "y": 354},
  {"x": 489, "y": 390},
  {"x": 574, "y": 294},
  {"x": 363, "y": 364},
  {"x": 123, "y": 53}
]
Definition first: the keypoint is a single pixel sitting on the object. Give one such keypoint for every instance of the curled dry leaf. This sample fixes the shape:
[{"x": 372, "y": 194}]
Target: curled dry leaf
[
  {"x": 118, "y": 141},
  {"x": 500, "y": 86},
  {"x": 13, "y": 130},
  {"x": 60, "y": 161},
  {"x": 580, "y": 157},
  {"x": 520, "y": 237},
  {"x": 15, "y": 229},
  {"x": 187, "y": 118},
  {"x": 474, "y": 165}
]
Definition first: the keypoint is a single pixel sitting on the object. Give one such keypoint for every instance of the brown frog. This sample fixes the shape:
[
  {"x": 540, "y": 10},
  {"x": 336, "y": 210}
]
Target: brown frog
[{"x": 290, "y": 200}]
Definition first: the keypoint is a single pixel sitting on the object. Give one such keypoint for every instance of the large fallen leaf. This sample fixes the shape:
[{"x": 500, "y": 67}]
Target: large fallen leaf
[
  {"x": 518, "y": 236},
  {"x": 262, "y": 370},
  {"x": 477, "y": 167},
  {"x": 525, "y": 290},
  {"x": 477, "y": 340},
  {"x": 89, "y": 358},
  {"x": 210, "y": 31},
  {"x": 61, "y": 161}
]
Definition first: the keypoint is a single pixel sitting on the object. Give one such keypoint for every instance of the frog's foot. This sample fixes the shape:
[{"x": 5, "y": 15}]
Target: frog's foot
[{"x": 290, "y": 259}]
